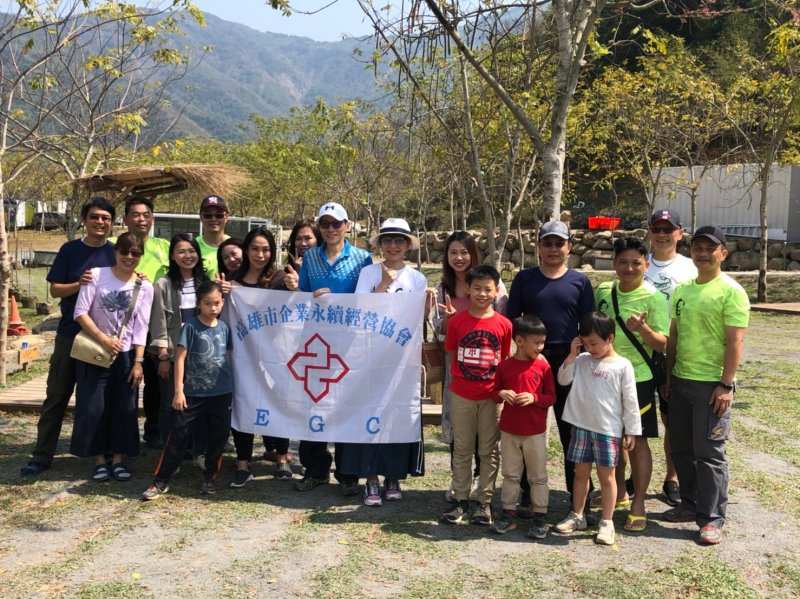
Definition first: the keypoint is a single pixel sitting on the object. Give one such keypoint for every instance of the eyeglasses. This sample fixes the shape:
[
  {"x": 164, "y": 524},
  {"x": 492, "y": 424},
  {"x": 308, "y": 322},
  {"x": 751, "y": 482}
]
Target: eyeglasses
[
  {"x": 331, "y": 224},
  {"x": 553, "y": 243},
  {"x": 101, "y": 218},
  {"x": 212, "y": 215},
  {"x": 134, "y": 253},
  {"x": 394, "y": 239},
  {"x": 662, "y": 230}
]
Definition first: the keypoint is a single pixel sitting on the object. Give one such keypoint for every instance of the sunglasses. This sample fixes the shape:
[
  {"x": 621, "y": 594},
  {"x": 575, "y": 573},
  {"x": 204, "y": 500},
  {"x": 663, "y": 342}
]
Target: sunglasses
[
  {"x": 212, "y": 215},
  {"x": 394, "y": 239},
  {"x": 134, "y": 253},
  {"x": 101, "y": 218},
  {"x": 553, "y": 243},
  {"x": 662, "y": 230},
  {"x": 331, "y": 224}
]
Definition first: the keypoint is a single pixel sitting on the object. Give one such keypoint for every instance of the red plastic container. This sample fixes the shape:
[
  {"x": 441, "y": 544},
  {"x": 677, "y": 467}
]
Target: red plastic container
[{"x": 604, "y": 222}]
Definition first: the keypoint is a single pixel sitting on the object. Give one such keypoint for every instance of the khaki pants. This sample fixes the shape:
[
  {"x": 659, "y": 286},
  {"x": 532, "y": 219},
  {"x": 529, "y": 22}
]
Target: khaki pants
[
  {"x": 522, "y": 452},
  {"x": 471, "y": 418}
]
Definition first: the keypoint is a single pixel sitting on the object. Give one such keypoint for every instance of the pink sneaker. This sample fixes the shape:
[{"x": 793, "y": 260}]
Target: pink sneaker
[
  {"x": 392, "y": 491},
  {"x": 372, "y": 494}
]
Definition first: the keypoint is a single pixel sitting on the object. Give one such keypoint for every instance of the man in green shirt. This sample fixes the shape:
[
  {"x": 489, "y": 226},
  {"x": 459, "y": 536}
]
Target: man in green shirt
[
  {"x": 709, "y": 317},
  {"x": 643, "y": 311},
  {"x": 139, "y": 215},
  {"x": 214, "y": 215}
]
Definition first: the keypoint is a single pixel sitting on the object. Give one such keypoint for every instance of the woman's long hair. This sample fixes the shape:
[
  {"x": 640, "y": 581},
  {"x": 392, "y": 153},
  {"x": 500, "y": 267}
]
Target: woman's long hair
[
  {"x": 220, "y": 262},
  {"x": 298, "y": 226},
  {"x": 448, "y": 274},
  {"x": 265, "y": 276},
  {"x": 174, "y": 271}
]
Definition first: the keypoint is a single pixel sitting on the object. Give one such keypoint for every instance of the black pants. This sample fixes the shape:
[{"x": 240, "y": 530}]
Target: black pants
[
  {"x": 244, "y": 445},
  {"x": 151, "y": 398},
  {"x": 212, "y": 416},
  {"x": 105, "y": 410},
  {"x": 555, "y": 356},
  {"x": 316, "y": 459},
  {"x": 60, "y": 385}
]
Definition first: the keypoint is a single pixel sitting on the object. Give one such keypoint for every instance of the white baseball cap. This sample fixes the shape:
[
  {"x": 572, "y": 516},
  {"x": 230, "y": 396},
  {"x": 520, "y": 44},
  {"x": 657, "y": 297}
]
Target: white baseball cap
[{"x": 334, "y": 210}]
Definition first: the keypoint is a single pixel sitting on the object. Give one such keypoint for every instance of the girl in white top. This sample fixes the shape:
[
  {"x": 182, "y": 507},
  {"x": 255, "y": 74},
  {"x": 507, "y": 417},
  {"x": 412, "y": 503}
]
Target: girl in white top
[{"x": 603, "y": 409}]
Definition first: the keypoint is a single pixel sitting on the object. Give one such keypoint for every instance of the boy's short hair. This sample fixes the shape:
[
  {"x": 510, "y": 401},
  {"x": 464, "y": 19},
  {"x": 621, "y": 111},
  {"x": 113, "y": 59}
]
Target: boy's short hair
[
  {"x": 206, "y": 287},
  {"x": 623, "y": 244},
  {"x": 522, "y": 326},
  {"x": 134, "y": 200},
  {"x": 597, "y": 322},
  {"x": 483, "y": 271},
  {"x": 100, "y": 203}
]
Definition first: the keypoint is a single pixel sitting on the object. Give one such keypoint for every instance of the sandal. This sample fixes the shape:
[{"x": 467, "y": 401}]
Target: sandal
[
  {"x": 101, "y": 473},
  {"x": 623, "y": 504},
  {"x": 635, "y": 523},
  {"x": 120, "y": 473}
]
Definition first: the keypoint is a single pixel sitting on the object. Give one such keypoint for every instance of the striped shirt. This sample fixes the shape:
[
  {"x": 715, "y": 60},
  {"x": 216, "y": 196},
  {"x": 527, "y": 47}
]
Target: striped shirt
[{"x": 340, "y": 277}]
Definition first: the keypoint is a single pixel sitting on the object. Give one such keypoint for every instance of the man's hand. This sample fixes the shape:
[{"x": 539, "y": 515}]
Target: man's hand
[
  {"x": 635, "y": 323},
  {"x": 628, "y": 442},
  {"x": 86, "y": 277},
  {"x": 322, "y": 291},
  {"x": 721, "y": 400},
  {"x": 291, "y": 278},
  {"x": 179, "y": 401},
  {"x": 525, "y": 399},
  {"x": 508, "y": 396}
]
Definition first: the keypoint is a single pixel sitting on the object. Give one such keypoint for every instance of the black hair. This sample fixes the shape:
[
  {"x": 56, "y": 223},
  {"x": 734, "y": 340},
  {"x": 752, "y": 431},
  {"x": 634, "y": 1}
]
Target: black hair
[
  {"x": 298, "y": 226},
  {"x": 448, "y": 274},
  {"x": 527, "y": 324},
  {"x": 597, "y": 322},
  {"x": 483, "y": 271},
  {"x": 134, "y": 200},
  {"x": 623, "y": 244},
  {"x": 266, "y": 273},
  {"x": 174, "y": 271},
  {"x": 100, "y": 203},
  {"x": 206, "y": 287},
  {"x": 127, "y": 242},
  {"x": 220, "y": 262}
]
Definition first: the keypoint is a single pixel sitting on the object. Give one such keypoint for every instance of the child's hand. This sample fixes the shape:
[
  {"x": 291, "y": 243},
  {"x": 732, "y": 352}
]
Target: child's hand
[
  {"x": 508, "y": 396},
  {"x": 525, "y": 399},
  {"x": 628, "y": 441},
  {"x": 575, "y": 347},
  {"x": 179, "y": 401}
]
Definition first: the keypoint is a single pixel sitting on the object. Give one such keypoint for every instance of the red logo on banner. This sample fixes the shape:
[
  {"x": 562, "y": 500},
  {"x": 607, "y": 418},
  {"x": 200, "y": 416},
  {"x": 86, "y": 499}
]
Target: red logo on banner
[{"x": 317, "y": 367}]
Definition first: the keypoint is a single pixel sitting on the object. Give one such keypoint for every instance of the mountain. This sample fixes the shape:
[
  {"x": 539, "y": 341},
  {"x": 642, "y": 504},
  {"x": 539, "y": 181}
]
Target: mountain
[{"x": 264, "y": 73}]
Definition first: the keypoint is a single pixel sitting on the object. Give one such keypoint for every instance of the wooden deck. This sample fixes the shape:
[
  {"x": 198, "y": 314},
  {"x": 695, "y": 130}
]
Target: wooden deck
[{"x": 790, "y": 308}]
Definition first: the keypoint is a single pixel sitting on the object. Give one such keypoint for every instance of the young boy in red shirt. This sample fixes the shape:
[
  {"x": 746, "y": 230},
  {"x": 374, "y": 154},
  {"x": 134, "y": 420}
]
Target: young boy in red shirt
[
  {"x": 479, "y": 338},
  {"x": 526, "y": 388}
]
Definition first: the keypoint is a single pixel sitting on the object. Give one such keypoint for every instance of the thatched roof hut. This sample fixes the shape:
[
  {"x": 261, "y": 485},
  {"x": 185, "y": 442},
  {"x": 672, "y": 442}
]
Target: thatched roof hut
[{"x": 199, "y": 179}]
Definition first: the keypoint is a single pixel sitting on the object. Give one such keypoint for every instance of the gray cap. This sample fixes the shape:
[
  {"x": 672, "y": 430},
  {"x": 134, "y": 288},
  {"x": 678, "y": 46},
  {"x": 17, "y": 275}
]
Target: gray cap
[{"x": 554, "y": 227}]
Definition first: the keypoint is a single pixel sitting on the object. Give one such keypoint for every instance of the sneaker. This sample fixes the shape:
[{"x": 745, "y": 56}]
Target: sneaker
[
  {"x": 605, "y": 533},
  {"x": 571, "y": 523},
  {"x": 450, "y": 496},
  {"x": 307, "y": 483},
  {"x": 482, "y": 516},
  {"x": 392, "y": 491},
  {"x": 154, "y": 491},
  {"x": 679, "y": 514},
  {"x": 33, "y": 468},
  {"x": 372, "y": 494},
  {"x": 353, "y": 488},
  {"x": 505, "y": 523},
  {"x": 241, "y": 478},
  {"x": 710, "y": 534},
  {"x": 672, "y": 493},
  {"x": 538, "y": 528},
  {"x": 283, "y": 471},
  {"x": 209, "y": 488},
  {"x": 457, "y": 515},
  {"x": 200, "y": 462}
]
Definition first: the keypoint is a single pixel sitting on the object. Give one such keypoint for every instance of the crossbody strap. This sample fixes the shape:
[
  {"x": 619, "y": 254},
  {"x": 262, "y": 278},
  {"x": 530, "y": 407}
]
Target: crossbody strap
[
  {"x": 631, "y": 337},
  {"x": 129, "y": 312}
]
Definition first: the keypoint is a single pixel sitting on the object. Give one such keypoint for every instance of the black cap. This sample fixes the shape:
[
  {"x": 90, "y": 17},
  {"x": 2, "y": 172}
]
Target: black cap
[
  {"x": 668, "y": 215},
  {"x": 711, "y": 233},
  {"x": 214, "y": 202}
]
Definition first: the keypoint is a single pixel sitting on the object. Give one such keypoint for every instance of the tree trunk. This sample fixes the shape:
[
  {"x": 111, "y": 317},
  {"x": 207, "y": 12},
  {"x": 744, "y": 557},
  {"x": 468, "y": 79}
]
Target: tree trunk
[
  {"x": 553, "y": 175},
  {"x": 5, "y": 278},
  {"x": 761, "y": 293}
]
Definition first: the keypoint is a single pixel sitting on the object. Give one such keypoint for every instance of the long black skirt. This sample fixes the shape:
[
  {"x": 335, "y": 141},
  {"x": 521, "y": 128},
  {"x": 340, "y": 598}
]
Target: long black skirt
[
  {"x": 105, "y": 410},
  {"x": 395, "y": 461}
]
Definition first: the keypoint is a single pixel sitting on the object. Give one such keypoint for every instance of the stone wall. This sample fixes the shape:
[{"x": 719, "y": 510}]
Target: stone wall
[{"x": 595, "y": 249}]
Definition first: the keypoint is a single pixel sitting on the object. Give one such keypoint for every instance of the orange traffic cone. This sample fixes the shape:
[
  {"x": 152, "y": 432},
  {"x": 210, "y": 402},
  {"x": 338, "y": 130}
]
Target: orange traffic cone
[{"x": 16, "y": 327}]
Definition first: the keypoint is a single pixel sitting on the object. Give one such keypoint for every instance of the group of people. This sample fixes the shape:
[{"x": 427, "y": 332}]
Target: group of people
[{"x": 667, "y": 332}]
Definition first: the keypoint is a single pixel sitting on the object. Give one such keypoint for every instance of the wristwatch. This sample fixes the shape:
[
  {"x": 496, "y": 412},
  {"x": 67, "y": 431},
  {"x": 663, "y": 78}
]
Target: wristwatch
[{"x": 726, "y": 386}]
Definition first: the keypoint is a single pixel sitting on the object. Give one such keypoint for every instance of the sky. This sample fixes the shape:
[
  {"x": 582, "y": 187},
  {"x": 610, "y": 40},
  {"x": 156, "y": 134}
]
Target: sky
[{"x": 341, "y": 19}]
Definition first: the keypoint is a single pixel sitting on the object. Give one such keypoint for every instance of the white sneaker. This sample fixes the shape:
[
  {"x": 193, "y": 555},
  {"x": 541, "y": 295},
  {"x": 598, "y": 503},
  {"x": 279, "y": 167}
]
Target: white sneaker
[
  {"x": 605, "y": 533},
  {"x": 570, "y": 524}
]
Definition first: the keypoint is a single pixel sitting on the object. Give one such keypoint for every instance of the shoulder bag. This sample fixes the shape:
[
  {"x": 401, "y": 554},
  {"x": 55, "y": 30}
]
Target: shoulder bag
[
  {"x": 88, "y": 349},
  {"x": 656, "y": 361}
]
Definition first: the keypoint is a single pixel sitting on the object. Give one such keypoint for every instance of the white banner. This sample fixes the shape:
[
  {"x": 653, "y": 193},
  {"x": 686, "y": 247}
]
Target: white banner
[{"x": 341, "y": 367}]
